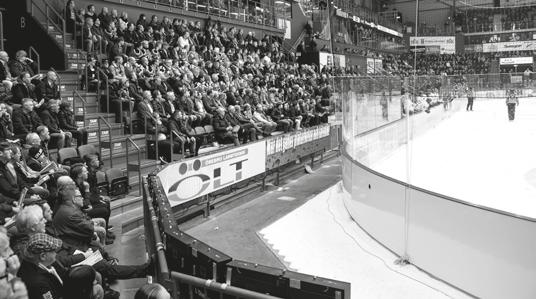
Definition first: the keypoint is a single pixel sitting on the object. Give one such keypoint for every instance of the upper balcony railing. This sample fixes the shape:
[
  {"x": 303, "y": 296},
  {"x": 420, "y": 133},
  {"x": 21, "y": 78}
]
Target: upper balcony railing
[
  {"x": 249, "y": 11},
  {"x": 471, "y": 27},
  {"x": 365, "y": 13}
]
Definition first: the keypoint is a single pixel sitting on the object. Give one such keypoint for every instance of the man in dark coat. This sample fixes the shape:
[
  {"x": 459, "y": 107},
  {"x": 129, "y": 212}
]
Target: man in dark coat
[
  {"x": 48, "y": 88},
  {"x": 23, "y": 89},
  {"x": 49, "y": 117},
  {"x": 39, "y": 270},
  {"x": 76, "y": 230},
  {"x": 224, "y": 130},
  {"x": 10, "y": 183},
  {"x": 247, "y": 130},
  {"x": 21, "y": 64},
  {"x": 25, "y": 119},
  {"x": 67, "y": 123}
]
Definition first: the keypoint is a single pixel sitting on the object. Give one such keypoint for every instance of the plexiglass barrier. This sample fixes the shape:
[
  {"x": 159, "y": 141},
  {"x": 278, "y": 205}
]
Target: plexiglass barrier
[{"x": 413, "y": 182}]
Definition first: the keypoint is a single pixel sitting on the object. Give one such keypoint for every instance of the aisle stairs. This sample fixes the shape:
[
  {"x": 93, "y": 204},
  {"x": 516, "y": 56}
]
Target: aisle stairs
[{"x": 111, "y": 138}]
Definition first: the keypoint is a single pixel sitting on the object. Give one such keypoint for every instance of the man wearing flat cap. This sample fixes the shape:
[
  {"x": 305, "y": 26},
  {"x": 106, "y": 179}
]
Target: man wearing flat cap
[{"x": 39, "y": 269}]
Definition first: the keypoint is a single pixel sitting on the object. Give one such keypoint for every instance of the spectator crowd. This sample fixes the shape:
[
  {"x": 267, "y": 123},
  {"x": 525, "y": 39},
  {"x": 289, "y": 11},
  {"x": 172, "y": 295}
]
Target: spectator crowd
[
  {"x": 165, "y": 78},
  {"x": 173, "y": 76},
  {"x": 483, "y": 19}
]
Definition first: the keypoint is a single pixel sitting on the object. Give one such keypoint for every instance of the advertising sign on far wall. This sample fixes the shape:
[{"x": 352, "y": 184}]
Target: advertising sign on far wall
[
  {"x": 446, "y": 44},
  {"x": 339, "y": 60},
  {"x": 189, "y": 179},
  {"x": 516, "y": 60},
  {"x": 527, "y": 45},
  {"x": 374, "y": 66},
  {"x": 325, "y": 59}
]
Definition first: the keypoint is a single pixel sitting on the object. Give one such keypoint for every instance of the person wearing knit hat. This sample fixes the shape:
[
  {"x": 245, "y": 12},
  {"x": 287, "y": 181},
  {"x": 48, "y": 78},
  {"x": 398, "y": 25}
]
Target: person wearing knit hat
[
  {"x": 39, "y": 270},
  {"x": 36, "y": 158}
]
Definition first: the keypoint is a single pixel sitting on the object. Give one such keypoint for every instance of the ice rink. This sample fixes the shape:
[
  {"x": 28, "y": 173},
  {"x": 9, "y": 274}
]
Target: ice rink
[
  {"x": 478, "y": 157},
  {"x": 320, "y": 238}
]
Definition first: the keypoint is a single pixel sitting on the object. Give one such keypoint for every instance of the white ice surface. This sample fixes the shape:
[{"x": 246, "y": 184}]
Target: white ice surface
[
  {"x": 478, "y": 157},
  {"x": 319, "y": 238}
]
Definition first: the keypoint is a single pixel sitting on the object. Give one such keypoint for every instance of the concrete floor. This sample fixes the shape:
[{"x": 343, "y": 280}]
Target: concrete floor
[
  {"x": 129, "y": 248},
  {"x": 235, "y": 232},
  {"x": 233, "y": 228}
]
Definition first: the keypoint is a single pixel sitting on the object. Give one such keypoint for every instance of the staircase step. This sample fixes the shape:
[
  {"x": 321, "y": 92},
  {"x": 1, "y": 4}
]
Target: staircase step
[
  {"x": 120, "y": 157},
  {"x": 130, "y": 220},
  {"x": 145, "y": 165},
  {"x": 80, "y": 108},
  {"x": 117, "y": 129},
  {"x": 128, "y": 203},
  {"x": 76, "y": 55},
  {"x": 68, "y": 75},
  {"x": 90, "y": 99},
  {"x": 118, "y": 142},
  {"x": 92, "y": 119},
  {"x": 76, "y": 64},
  {"x": 88, "y": 96}
]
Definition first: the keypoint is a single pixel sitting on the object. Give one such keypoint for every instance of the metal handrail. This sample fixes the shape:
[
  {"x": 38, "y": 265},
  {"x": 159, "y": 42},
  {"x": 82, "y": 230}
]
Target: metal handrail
[
  {"x": 223, "y": 289},
  {"x": 38, "y": 58},
  {"x": 84, "y": 103},
  {"x": 156, "y": 127},
  {"x": 154, "y": 229},
  {"x": 1, "y": 31},
  {"x": 227, "y": 11},
  {"x": 99, "y": 72},
  {"x": 49, "y": 20},
  {"x": 84, "y": 72},
  {"x": 171, "y": 133},
  {"x": 109, "y": 138},
  {"x": 129, "y": 140}
]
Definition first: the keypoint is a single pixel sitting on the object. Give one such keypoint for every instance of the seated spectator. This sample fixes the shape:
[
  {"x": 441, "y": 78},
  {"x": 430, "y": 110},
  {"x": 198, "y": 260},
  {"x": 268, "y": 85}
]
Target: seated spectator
[
  {"x": 149, "y": 118},
  {"x": 224, "y": 132},
  {"x": 89, "y": 38},
  {"x": 94, "y": 205},
  {"x": 91, "y": 71},
  {"x": 5, "y": 74},
  {"x": 267, "y": 125},
  {"x": 49, "y": 118},
  {"x": 48, "y": 88},
  {"x": 152, "y": 291},
  {"x": 22, "y": 89},
  {"x": 32, "y": 177},
  {"x": 11, "y": 184},
  {"x": 82, "y": 282},
  {"x": 181, "y": 134},
  {"x": 67, "y": 124},
  {"x": 37, "y": 159},
  {"x": 25, "y": 119},
  {"x": 55, "y": 140},
  {"x": 293, "y": 112},
  {"x": 283, "y": 123},
  {"x": 39, "y": 270},
  {"x": 76, "y": 230},
  {"x": 11, "y": 287},
  {"x": 29, "y": 221},
  {"x": 22, "y": 64},
  {"x": 247, "y": 131},
  {"x": 6, "y": 124}
]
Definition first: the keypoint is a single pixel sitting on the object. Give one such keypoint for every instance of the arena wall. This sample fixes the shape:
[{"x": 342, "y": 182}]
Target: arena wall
[{"x": 484, "y": 252}]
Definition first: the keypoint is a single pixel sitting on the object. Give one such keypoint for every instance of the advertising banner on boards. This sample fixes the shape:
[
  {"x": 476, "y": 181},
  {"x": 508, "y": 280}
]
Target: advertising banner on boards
[
  {"x": 516, "y": 60},
  {"x": 446, "y": 44},
  {"x": 186, "y": 180},
  {"x": 527, "y": 45},
  {"x": 285, "y": 142}
]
